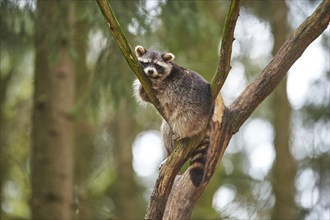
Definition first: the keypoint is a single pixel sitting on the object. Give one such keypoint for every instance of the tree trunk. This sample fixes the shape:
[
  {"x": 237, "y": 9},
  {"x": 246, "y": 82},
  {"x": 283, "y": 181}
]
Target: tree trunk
[
  {"x": 52, "y": 135},
  {"x": 84, "y": 129},
  {"x": 284, "y": 165},
  {"x": 125, "y": 192}
]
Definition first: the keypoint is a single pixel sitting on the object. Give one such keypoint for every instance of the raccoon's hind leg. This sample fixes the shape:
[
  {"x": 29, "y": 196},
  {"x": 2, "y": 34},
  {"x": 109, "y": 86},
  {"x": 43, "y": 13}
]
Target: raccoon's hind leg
[{"x": 167, "y": 137}]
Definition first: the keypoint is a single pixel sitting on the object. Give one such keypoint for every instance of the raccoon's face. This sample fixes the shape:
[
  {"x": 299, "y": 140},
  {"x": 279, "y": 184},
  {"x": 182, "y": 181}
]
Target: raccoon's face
[{"x": 156, "y": 65}]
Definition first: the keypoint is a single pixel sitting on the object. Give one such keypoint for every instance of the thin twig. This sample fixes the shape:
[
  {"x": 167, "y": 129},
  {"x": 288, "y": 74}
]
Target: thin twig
[{"x": 224, "y": 67}]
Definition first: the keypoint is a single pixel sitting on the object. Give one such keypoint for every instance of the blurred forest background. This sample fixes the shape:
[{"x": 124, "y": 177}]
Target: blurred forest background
[{"x": 278, "y": 163}]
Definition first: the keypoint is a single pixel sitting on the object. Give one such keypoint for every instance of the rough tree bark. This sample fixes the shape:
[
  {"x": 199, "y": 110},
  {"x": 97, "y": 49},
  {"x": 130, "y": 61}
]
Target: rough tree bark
[
  {"x": 226, "y": 121},
  {"x": 52, "y": 134}
]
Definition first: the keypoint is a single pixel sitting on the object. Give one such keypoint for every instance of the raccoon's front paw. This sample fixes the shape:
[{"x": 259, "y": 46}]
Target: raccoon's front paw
[{"x": 143, "y": 94}]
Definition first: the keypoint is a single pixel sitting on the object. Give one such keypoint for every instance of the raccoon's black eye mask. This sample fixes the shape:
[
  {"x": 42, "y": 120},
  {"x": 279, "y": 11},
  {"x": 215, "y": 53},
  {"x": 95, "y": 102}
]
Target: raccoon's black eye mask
[
  {"x": 158, "y": 67},
  {"x": 143, "y": 64}
]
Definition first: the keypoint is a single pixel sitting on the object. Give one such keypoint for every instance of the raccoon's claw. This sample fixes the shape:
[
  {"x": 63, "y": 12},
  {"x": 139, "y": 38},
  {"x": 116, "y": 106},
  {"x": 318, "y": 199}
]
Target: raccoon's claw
[
  {"x": 176, "y": 137},
  {"x": 161, "y": 164}
]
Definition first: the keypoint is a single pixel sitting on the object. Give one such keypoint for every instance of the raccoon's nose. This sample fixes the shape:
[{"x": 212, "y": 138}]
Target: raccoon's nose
[{"x": 150, "y": 71}]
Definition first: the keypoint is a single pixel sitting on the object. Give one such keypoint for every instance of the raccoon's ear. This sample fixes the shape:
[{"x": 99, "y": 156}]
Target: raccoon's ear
[
  {"x": 139, "y": 51},
  {"x": 168, "y": 57}
]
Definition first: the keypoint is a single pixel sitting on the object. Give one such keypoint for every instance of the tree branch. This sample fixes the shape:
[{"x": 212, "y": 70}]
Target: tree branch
[
  {"x": 167, "y": 175},
  {"x": 274, "y": 72},
  {"x": 128, "y": 53},
  {"x": 224, "y": 67}
]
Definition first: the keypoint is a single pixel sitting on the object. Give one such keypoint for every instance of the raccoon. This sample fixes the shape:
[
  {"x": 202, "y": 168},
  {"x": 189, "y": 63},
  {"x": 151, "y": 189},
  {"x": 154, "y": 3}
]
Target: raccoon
[{"x": 186, "y": 100}]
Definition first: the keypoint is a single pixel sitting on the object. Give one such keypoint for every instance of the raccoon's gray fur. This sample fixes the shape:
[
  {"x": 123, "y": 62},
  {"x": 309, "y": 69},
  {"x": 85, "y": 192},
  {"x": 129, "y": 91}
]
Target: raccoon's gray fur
[{"x": 186, "y": 100}]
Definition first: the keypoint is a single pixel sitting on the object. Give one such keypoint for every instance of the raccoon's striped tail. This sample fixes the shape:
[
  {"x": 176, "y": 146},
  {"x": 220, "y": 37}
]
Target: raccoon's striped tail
[{"x": 198, "y": 162}]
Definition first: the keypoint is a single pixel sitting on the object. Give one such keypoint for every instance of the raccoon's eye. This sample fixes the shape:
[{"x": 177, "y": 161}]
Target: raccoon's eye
[
  {"x": 143, "y": 64},
  {"x": 158, "y": 67}
]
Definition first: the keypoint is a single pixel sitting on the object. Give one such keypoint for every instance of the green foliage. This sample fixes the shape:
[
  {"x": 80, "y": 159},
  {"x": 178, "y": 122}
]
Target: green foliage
[{"x": 15, "y": 106}]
